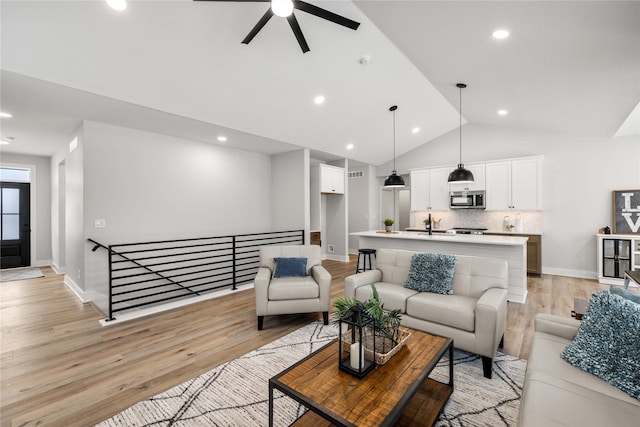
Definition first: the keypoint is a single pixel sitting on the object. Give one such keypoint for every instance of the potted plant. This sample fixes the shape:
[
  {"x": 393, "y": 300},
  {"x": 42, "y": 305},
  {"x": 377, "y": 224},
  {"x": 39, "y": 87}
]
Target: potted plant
[
  {"x": 388, "y": 222},
  {"x": 389, "y": 336}
]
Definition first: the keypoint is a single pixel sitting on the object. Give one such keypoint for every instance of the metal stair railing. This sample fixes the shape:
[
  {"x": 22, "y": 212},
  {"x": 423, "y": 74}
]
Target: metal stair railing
[{"x": 154, "y": 273}]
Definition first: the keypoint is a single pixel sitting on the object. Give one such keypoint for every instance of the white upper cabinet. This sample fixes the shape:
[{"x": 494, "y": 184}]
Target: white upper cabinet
[
  {"x": 331, "y": 179},
  {"x": 514, "y": 184},
  {"x": 478, "y": 179},
  {"x": 430, "y": 189}
]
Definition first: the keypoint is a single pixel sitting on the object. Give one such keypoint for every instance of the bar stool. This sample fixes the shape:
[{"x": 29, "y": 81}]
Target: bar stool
[{"x": 365, "y": 253}]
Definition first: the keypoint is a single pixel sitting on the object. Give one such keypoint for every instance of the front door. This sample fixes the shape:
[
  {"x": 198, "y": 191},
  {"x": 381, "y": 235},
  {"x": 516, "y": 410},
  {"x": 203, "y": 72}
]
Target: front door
[{"x": 15, "y": 228}]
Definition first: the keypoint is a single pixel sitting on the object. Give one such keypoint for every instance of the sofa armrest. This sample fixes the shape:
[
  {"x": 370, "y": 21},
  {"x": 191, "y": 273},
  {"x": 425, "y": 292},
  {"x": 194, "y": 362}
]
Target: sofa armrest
[
  {"x": 261, "y": 286},
  {"x": 323, "y": 278},
  {"x": 351, "y": 283},
  {"x": 559, "y": 326},
  {"x": 491, "y": 320}
]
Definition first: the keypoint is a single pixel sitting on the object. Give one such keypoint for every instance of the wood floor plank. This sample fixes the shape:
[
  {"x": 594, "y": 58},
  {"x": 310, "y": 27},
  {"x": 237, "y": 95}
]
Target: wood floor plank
[{"x": 60, "y": 367}]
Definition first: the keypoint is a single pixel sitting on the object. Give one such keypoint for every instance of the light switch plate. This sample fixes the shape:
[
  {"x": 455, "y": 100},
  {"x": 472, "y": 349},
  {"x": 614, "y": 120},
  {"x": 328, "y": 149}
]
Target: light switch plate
[{"x": 101, "y": 223}]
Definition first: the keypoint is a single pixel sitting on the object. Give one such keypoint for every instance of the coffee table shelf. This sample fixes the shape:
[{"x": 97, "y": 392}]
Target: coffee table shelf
[{"x": 396, "y": 393}]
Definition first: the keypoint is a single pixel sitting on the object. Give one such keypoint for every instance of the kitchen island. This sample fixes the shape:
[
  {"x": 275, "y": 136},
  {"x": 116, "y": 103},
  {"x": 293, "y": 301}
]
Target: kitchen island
[{"x": 510, "y": 248}]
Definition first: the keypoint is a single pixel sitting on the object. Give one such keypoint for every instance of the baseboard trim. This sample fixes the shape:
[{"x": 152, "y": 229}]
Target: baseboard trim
[
  {"x": 57, "y": 269},
  {"x": 583, "y": 274},
  {"x": 76, "y": 289}
]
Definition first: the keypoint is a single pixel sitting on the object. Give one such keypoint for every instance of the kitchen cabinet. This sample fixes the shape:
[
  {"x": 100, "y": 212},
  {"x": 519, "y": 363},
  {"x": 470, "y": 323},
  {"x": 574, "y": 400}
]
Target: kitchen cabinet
[
  {"x": 617, "y": 253},
  {"x": 430, "y": 189},
  {"x": 514, "y": 184},
  {"x": 331, "y": 179},
  {"x": 478, "y": 179}
]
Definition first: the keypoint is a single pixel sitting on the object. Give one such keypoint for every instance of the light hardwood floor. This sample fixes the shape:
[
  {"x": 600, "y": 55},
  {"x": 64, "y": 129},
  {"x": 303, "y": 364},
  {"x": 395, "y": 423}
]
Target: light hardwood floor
[{"x": 59, "y": 367}]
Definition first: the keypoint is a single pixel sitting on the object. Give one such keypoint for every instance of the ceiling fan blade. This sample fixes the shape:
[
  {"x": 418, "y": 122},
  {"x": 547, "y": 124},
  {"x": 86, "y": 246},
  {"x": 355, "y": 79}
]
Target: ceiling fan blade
[
  {"x": 261, "y": 23},
  {"x": 325, "y": 14},
  {"x": 293, "y": 22},
  {"x": 252, "y": 1}
]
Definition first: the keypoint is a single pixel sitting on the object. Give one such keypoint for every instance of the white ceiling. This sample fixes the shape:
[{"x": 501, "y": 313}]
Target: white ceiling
[{"x": 178, "y": 68}]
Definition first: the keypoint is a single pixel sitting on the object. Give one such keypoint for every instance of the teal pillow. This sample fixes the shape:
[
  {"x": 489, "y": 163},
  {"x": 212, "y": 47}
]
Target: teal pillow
[
  {"x": 431, "y": 273},
  {"x": 625, "y": 293},
  {"x": 290, "y": 267},
  {"x": 608, "y": 342}
]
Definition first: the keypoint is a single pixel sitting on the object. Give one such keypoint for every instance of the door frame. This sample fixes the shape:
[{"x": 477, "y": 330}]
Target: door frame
[{"x": 32, "y": 201}]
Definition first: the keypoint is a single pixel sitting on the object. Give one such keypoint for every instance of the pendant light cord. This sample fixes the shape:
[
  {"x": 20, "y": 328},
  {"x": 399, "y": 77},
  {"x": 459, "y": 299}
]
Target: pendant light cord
[
  {"x": 460, "y": 87},
  {"x": 394, "y": 140}
]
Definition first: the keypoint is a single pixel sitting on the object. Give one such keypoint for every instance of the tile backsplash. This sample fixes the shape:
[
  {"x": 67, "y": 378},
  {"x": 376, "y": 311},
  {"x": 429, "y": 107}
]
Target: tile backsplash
[{"x": 477, "y": 218}]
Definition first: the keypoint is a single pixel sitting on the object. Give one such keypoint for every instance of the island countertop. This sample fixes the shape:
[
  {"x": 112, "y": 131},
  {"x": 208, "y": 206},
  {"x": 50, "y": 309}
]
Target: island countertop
[
  {"x": 443, "y": 237},
  {"x": 513, "y": 249}
]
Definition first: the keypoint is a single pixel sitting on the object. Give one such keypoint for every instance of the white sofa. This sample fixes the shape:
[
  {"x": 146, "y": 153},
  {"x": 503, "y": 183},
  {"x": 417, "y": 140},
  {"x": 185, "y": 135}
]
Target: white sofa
[
  {"x": 474, "y": 316},
  {"x": 291, "y": 295},
  {"x": 556, "y": 393}
]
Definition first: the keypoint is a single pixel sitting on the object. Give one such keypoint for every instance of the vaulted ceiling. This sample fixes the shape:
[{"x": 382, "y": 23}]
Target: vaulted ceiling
[{"x": 178, "y": 68}]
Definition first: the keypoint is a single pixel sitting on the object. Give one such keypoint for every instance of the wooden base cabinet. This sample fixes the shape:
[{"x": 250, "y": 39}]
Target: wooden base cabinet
[{"x": 534, "y": 250}]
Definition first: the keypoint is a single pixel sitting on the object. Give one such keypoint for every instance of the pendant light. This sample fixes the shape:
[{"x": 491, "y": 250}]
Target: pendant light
[
  {"x": 461, "y": 175},
  {"x": 394, "y": 180}
]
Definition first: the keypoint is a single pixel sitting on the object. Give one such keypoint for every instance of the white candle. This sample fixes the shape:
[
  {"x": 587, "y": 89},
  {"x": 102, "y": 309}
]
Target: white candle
[{"x": 355, "y": 355}]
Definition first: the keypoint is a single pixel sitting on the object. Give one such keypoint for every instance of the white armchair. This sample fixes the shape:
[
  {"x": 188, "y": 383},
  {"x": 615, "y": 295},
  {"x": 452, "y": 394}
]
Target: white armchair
[{"x": 290, "y": 295}]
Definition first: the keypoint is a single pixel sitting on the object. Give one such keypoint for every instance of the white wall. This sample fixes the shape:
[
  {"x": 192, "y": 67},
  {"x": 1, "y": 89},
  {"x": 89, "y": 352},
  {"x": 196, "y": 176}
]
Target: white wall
[
  {"x": 290, "y": 191},
  {"x": 72, "y": 261},
  {"x": 358, "y": 202},
  {"x": 152, "y": 187},
  {"x": 579, "y": 175},
  {"x": 40, "y": 203}
]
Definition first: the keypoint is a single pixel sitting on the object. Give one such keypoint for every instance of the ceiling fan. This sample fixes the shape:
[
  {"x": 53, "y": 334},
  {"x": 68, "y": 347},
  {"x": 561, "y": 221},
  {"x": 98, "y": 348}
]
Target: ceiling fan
[{"x": 284, "y": 8}]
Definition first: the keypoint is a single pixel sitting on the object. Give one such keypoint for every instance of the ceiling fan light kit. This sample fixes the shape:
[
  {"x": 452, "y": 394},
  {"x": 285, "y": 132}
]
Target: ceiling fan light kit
[
  {"x": 394, "y": 180},
  {"x": 461, "y": 175},
  {"x": 285, "y": 9}
]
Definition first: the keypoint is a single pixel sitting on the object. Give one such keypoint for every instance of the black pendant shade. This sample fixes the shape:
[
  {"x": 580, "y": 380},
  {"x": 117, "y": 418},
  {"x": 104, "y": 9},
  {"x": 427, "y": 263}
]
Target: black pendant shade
[
  {"x": 461, "y": 175},
  {"x": 394, "y": 180}
]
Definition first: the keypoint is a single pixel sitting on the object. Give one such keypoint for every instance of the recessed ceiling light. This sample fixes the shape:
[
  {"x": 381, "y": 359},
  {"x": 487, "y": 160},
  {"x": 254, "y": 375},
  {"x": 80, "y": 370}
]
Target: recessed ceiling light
[
  {"x": 500, "y": 34},
  {"x": 415, "y": 130},
  {"x": 319, "y": 99},
  {"x": 349, "y": 146},
  {"x": 3, "y": 114},
  {"x": 222, "y": 138},
  {"x": 502, "y": 112},
  {"x": 3, "y": 142},
  {"x": 119, "y": 5}
]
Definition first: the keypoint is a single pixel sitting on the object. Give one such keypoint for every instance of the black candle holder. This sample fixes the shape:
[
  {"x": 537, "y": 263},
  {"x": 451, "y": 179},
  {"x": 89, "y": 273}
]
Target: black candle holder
[{"x": 357, "y": 342}]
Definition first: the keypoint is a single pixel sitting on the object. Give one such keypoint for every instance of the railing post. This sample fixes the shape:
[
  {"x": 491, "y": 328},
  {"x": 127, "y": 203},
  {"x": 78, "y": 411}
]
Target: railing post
[
  {"x": 110, "y": 286},
  {"x": 233, "y": 246}
]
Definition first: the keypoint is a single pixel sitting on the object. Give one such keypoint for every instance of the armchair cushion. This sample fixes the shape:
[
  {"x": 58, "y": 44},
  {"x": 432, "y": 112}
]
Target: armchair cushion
[
  {"x": 456, "y": 311},
  {"x": 431, "y": 273},
  {"x": 289, "y": 267},
  {"x": 293, "y": 288}
]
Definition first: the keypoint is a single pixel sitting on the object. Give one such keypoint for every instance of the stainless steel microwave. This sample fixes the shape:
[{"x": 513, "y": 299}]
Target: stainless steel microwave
[{"x": 467, "y": 200}]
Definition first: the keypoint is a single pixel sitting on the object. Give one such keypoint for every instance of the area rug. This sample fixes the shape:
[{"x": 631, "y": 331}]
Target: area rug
[
  {"x": 20, "y": 274},
  {"x": 236, "y": 393}
]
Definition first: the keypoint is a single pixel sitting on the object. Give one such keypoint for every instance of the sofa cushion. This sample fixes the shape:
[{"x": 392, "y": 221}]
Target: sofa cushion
[
  {"x": 607, "y": 343},
  {"x": 431, "y": 273},
  {"x": 289, "y": 267},
  {"x": 287, "y": 288},
  {"x": 457, "y": 311},
  {"x": 394, "y": 297}
]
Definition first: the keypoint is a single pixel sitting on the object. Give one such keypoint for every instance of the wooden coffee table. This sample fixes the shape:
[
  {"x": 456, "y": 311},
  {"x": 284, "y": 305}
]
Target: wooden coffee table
[{"x": 396, "y": 393}]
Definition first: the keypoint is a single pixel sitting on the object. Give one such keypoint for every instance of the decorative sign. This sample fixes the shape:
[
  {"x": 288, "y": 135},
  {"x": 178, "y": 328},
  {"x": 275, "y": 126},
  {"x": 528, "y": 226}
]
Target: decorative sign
[{"x": 626, "y": 212}]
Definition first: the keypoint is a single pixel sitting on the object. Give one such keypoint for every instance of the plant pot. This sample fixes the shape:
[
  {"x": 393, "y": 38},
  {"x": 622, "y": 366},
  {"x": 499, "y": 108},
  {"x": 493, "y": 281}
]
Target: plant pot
[{"x": 387, "y": 228}]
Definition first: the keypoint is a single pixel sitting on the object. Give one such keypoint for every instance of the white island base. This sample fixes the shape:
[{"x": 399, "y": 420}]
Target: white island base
[{"x": 510, "y": 248}]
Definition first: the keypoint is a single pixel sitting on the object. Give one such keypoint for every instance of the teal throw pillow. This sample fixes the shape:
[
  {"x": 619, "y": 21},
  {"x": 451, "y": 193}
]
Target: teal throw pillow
[
  {"x": 608, "y": 342},
  {"x": 625, "y": 293},
  {"x": 431, "y": 273},
  {"x": 290, "y": 267}
]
